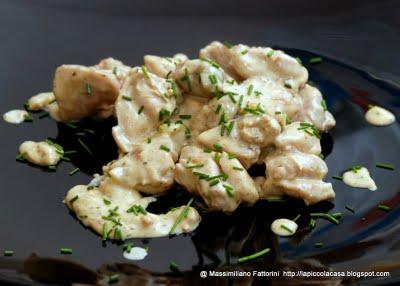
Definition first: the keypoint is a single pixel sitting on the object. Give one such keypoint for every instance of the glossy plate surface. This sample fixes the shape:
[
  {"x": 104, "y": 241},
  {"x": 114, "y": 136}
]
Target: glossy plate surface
[{"x": 36, "y": 224}]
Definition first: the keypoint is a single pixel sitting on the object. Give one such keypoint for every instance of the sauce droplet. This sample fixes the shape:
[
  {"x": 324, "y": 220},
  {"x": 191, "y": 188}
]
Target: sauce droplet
[
  {"x": 15, "y": 116},
  {"x": 136, "y": 253},
  {"x": 379, "y": 116},
  {"x": 284, "y": 227},
  {"x": 359, "y": 179}
]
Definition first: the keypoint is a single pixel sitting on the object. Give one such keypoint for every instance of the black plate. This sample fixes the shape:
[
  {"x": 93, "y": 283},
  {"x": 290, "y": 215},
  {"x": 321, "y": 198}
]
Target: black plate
[{"x": 36, "y": 224}]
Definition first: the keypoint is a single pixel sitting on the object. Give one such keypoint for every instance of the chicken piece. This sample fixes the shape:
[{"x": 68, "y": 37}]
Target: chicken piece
[
  {"x": 41, "y": 153},
  {"x": 148, "y": 168},
  {"x": 199, "y": 77},
  {"x": 221, "y": 54},
  {"x": 296, "y": 136},
  {"x": 256, "y": 61},
  {"x": 84, "y": 92},
  {"x": 146, "y": 101},
  {"x": 122, "y": 214},
  {"x": 163, "y": 66},
  {"x": 314, "y": 109},
  {"x": 40, "y": 101},
  {"x": 257, "y": 95},
  {"x": 243, "y": 137},
  {"x": 219, "y": 179},
  {"x": 295, "y": 168},
  {"x": 119, "y": 70}
]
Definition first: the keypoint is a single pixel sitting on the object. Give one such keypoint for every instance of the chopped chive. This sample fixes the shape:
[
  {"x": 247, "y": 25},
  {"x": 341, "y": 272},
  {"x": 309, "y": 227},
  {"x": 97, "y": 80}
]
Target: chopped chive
[
  {"x": 164, "y": 148},
  {"x": 214, "y": 183},
  {"x": 74, "y": 171},
  {"x": 140, "y": 109},
  {"x": 218, "y": 108},
  {"x": 312, "y": 223},
  {"x": 148, "y": 140},
  {"x": 240, "y": 101},
  {"x": 174, "y": 267},
  {"x": 218, "y": 146},
  {"x": 230, "y": 127},
  {"x": 287, "y": 228},
  {"x": 106, "y": 202},
  {"x": 194, "y": 166},
  {"x": 238, "y": 169},
  {"x": 186, "y": 79},
  {"x": 163, "y": 113},
  {"x": 222, "y": 119},
  {"x": 28, "y": 118},
  {"x": 254, "y": 256},
  {"x": 201, "y": 176},
  {"x": 270, "y": 53},
  {"x": 232, "y": 97},
  {"x": 185, "y": 116},
  {"x": 297, "y": 217},
  {"x": 350, "y": 208},
  {"x": 84, "y": 146},
  {"x": 181, "y": 216},
  {"x": 8, "y": 253},
  {"x": 315, "y": 60},
  {"x": 328, "y": 217},
  {"x": 52, "y": 168},
  {"x": 310, "y": 129},
  {"x": 145, "y": 72},
  {"x": 136, "y": 210},
  {"x": 118, "y": 235},
  {"x": 231, "y": 156},
  {"x": 337, "y": 215},
  {"x": 65, "y": 250},
  {"x": 383, "y": 207},
  {"x": 127, "y": 247},
  {"x": 323, "y": 104},
  {"x": 212, "y": 78},
  {"x": 340, "y": 178},
  {"x": 276, "y": 200},
  {"x": 214, "y": 64},
  {"x": 44, "y": 115},
  {"x": 318, "y": 245},
  {"x": 385, "y": 166},
  {"x": 227, "y": 44},
  {"x": 244, "y": 52},
  {"x": 70, "y": 125},
  {"x": 80, "y": 134},
  {"x": 74, "y": 199},
  {"x": 20, "y": 157},
  {"x": 88, "y": 89},
  {"x": 127, "y": 98},
  {"x": 115, "y": 71},
  {"x": 70, "y": 152},
  {"x": 250, "y": 89},
  {"x": 355, "y": 169},
  {"x": 113, "y": 279}
]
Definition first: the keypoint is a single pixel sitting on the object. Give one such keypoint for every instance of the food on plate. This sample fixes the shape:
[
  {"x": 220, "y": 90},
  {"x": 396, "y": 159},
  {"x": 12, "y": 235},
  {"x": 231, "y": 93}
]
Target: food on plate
[
  {"x": 200, "y": 123},
  {"x": 379, "y": 116},
  {"x": 284, "y": 227},
  {"x": 359, "y": 177},
  {"x": 16, "y": 116},
  {"x": 43, "y": 153}
]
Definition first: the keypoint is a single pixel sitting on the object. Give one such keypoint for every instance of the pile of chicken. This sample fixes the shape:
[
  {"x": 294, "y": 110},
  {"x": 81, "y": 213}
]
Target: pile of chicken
[{"x": 201, "y": 123}]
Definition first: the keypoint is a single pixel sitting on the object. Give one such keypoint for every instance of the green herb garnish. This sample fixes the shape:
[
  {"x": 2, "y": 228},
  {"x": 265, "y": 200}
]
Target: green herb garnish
[
  {"x": 315, "y": 60},
  {"x": 254, "y": 256},
  {"x": 65, "y": 250},
  {"x": 385, "y": 166},
  {"x": 181, "y": 216},
  {"x": 145, "y": 71},
  {"x": 74, "y": 171}
]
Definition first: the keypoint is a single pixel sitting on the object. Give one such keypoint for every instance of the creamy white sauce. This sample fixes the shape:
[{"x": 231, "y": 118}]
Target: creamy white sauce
[
  {"x": 379, "y": 116},
  {"x": 15, "y": 116},
  {"x": 284, "y": 227},
  {"x": 95, "y": 182},
  {"x": 40, "y": 101},
  {"x": 39, "y": 153},
  {"x": 359, "y": 179},
  {"x": 136, "y": 253}
]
